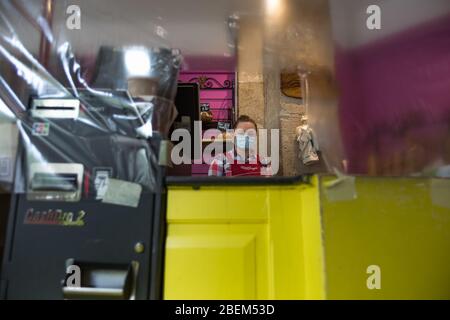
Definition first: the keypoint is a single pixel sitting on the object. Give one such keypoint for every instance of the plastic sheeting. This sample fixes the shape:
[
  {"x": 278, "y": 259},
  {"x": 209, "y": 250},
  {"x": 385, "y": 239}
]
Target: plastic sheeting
[
  {"x": 377, "y": 100},
  {"x": 392, "y": 111},
  {"x": 76, "y": 129}
]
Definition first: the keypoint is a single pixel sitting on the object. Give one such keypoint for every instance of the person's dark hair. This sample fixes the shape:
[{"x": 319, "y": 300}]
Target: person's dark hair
[{"x": 245, "y": 118}]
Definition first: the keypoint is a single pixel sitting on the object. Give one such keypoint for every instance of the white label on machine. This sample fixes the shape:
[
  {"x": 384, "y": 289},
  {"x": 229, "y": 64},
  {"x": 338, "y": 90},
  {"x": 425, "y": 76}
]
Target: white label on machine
[
  {"x": 122, "y": 193},
  {"x": 101, "y": 181}
]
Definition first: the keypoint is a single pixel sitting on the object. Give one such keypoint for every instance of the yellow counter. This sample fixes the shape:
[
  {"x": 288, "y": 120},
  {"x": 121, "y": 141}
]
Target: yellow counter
[{"x": 311, "y": 240}]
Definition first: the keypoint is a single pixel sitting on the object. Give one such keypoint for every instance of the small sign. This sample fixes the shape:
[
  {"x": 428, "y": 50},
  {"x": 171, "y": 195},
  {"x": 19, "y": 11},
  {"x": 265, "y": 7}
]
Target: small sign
[
  {"x": 204, "y": 107},
  {"x": 223, "y": 126},
  {"x": 41, "y": 129},
  {"x": 101, "y": 180},
  {"x": 122, "y": 193}
]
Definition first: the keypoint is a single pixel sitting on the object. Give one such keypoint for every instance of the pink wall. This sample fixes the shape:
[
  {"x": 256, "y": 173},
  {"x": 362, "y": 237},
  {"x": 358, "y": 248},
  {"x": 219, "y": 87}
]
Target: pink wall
[
  {"x": 395, "y": 99},
  {"x": 220, "y": 101},
  {"x": 204, "y": 63}
]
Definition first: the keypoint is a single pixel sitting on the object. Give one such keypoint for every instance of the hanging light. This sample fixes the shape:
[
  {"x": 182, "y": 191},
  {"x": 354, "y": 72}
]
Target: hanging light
[{"x": 272, "y": 7}]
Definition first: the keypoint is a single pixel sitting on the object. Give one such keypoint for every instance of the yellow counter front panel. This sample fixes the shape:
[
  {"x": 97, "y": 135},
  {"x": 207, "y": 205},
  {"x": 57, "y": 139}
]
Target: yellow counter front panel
[
  {"x": 243, "y": 242},
  {"x": 401, "y": 225},
  {"x": 309, "y": 241}
]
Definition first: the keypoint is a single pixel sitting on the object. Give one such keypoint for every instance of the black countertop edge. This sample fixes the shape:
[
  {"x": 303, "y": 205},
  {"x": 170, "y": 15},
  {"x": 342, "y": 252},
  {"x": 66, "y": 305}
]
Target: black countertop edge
[{"x": 226, "y": 181}]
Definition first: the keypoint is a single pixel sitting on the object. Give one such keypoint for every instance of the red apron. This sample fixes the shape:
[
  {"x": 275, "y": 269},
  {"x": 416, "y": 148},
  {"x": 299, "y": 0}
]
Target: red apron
[{"x": 246, "y": 169}]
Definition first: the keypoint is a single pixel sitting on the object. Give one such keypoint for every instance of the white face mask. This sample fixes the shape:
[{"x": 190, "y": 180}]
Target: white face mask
[{"x": 245, "y": 142}]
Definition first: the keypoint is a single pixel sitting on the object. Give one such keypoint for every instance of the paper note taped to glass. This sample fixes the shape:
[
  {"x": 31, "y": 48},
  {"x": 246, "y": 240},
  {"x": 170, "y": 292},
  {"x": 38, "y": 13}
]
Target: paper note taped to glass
[{"x": 122, "y": 193}]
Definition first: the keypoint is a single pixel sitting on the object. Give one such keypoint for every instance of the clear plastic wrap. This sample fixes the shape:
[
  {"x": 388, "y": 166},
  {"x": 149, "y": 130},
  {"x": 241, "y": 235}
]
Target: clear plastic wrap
[
  {"x": 81, "y": 124},
  {"x": 392, "y": 107},
  {"x": 376, "y": 100}
]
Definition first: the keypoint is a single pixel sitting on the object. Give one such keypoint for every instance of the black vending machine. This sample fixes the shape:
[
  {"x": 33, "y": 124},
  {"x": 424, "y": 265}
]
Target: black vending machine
[{"x": 87, "y": 214}]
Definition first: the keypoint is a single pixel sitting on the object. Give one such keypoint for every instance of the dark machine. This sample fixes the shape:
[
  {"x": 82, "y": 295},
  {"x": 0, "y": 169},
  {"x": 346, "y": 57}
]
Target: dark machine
[
  {"x": 60, "y": 216},
  {"x": 187, "y": 102},
  {"x": 86, "y": 219}
]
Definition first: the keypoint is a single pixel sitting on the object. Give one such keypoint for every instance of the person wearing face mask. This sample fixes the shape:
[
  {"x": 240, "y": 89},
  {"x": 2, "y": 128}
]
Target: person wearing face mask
[{"x": 243, "y": 160}]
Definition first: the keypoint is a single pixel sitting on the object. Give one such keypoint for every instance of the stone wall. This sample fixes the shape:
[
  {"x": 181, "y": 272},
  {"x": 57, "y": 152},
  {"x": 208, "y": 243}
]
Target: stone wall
[
  {"x": 296, "y": 36},
  {"x": 250, "y": 70}
]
